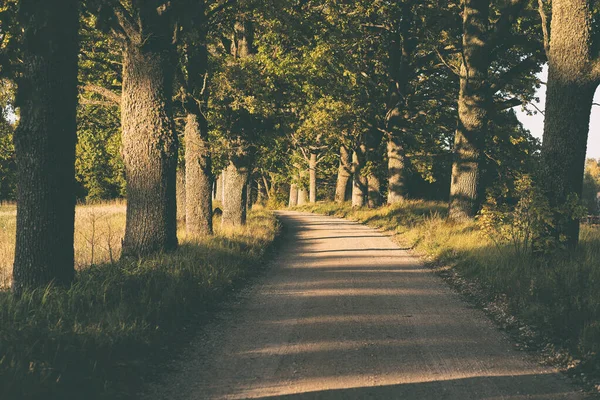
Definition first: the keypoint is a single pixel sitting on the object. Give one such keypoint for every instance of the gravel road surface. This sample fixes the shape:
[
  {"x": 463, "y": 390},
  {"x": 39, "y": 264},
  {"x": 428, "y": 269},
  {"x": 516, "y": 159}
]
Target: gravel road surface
[{"x": 345, "y": 313}]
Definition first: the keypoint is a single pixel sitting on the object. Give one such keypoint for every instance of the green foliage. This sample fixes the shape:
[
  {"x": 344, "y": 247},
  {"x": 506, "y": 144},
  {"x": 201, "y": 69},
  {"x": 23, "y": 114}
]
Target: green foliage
[
  {"x": 525, "y": 226},
  {"x": 93, "y": 340},
  {"x": 591, "y": 186},
  {"x": 7, "y": 150},
  {"x": 98, "y": 165},
  {"x": 523, "y": 218}
]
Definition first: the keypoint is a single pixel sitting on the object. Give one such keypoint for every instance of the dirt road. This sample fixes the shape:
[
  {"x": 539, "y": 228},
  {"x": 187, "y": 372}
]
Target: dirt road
[{"x": 345, "y": 313}]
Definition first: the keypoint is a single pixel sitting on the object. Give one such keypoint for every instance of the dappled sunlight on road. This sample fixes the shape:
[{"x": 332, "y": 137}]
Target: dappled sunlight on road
[{"x": 345, "y": 313}]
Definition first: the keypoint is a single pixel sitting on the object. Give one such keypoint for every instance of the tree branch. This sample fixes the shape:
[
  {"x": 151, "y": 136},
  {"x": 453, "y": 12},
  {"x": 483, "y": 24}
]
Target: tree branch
[
  {"x": 88, "y": 102},
  {"x": 220, "y": 8},
  {"x": 104, "y": 92},
  {"x": 506, "y": 104},
  {"x": 509, "y": 75},
  {"x": 545, "y": 25},
  {"x": 507, "y": 17},
  {"x": 126, "y": 22}
]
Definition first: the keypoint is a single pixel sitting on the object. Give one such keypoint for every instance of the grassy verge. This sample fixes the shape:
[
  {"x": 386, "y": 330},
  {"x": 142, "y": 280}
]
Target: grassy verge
[
  {"x": 556, "y": 306},
  {"x": 94, "y": 339}
]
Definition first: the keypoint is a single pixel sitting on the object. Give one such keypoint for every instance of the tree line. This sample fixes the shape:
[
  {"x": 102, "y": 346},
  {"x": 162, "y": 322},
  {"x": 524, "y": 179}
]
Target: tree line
[{"x": 283, "y": 100}]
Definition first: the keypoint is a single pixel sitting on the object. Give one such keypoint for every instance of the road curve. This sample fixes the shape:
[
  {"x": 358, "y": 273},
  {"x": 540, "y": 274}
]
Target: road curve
[{"x": 344, "y": 312}]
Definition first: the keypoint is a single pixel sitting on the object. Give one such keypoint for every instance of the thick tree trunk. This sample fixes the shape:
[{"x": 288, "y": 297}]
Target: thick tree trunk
[
  {"x": 312, "y": 168},
  {"x": 219, "y": 188},
  {"x": 396, "y": 170},
  {"x": 235, "y": 194},
  {"x": 293, "y": 202},
  {"x": 374, "y": 190},
  {"x": 149, "y": 148},
  {"x": 474, "y": 102},
  {"x": 180, "y": 195},
  {"x": 573, "y": 77},
  {"x": 302, "y": 196},
  {"x": 45, "y": 144},
  {"x": 260, "y": 192},
  {"x": 359, "y": 184},
  {"x": 344, "y": 175},
  {"x": 198, "y": 177}
]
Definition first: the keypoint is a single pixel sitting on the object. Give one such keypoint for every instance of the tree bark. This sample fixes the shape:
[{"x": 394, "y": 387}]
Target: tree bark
[
  {"x": 293, "y": 202},
  {"x": 374, "y": 190},
  {"x": 344, "y": 175},
  {"x": 235, "y": 194},
  {"x": 474, "y": 102},
  {"x": 302, "y": 196},
  {"x": 573, "y": 77},
  {"x": 180, "y": 194},
  {"x": 312, "y": 168},
  {"x": 396, "y": 170},
  {"x": 198, "y": 176},
  {"x": 223, "y": 183},
  {"x": 45, "y": 144},
  {"x": 149, "y": 139},
  {"x": 360, "y": 184},
  {"x": 249, "y": 194}
]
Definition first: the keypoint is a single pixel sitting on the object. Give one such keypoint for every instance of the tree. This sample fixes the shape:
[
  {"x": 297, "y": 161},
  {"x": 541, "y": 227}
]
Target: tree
[
  {"x": 194, "y": 76},
  {"x": 45, "y": 143},
  {"x": 573, "y": 76},
  {"x": 7, "y": 148},
  {"x": 495, "y": 54},
  {"x": 145, "y": 30}
]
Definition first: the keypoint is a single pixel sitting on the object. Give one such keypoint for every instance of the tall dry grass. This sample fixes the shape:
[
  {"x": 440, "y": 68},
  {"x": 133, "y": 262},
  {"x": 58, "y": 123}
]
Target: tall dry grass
[{"x": 99, "y": 229}]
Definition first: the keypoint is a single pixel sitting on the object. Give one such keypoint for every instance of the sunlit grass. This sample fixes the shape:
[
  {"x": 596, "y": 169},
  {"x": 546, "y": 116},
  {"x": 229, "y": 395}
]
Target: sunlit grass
[
  {"x": 559, "y": 296},
  {"x": 93, "y": 339}
]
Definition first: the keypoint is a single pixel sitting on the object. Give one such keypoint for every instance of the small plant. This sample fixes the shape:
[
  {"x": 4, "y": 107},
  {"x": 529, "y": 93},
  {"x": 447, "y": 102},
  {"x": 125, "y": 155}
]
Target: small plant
[{"x": 523, "y": 218}]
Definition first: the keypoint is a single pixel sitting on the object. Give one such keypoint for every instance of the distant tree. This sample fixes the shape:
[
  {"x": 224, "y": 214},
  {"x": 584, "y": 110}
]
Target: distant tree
[
  {"x": 591, "y": 186},
  {"x": 45, "y": 142},
  {"x": 8, "y": 168},
  {"x": 194, "y": 93}
]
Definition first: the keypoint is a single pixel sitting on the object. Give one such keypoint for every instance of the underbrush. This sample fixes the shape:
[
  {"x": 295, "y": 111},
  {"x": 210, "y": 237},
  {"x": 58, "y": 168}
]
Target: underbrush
[
  {"x": 93, "y": 339},
  {"x": 557, "y": 298}
]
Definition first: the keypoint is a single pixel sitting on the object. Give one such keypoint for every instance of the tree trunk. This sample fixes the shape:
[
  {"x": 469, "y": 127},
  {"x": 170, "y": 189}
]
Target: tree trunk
[
  {"x": 312, "y": 167},
  {"x": 360, "y": 184},
  {"x": 221, "y": 191},
  {"x": 260, "y": 192},
  {"x": 198, "y": 176},
  {"x": 396, "y": 170},
  {"x": 45, "y": 144},
  {"x": 573, "y": 77},
  {"x": 344, "y": 175},
  {"x": 293, "y": 202},
  {"x": 180, "y": 195},
  {"x": 149, "y": 149},
  {"x": 235, "y": 194},
  {"x": 374, "y": 190},
  {"x": 249, "y": 194},
  {"x": 302, "y": 196},
  {"x": 474, "y": 102}
]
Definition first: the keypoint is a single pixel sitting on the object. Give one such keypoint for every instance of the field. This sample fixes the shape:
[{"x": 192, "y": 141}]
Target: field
[
  {"x": 99, "y": 229},
  {"x": 552, "y": 303}
]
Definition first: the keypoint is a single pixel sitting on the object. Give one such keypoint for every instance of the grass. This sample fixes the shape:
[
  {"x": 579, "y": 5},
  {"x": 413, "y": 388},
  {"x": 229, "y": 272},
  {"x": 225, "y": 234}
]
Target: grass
[
  {"x": 98, "y": 232},
  {"x": 556, "y": 302},
  {"x": 95, "y": 339}
]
